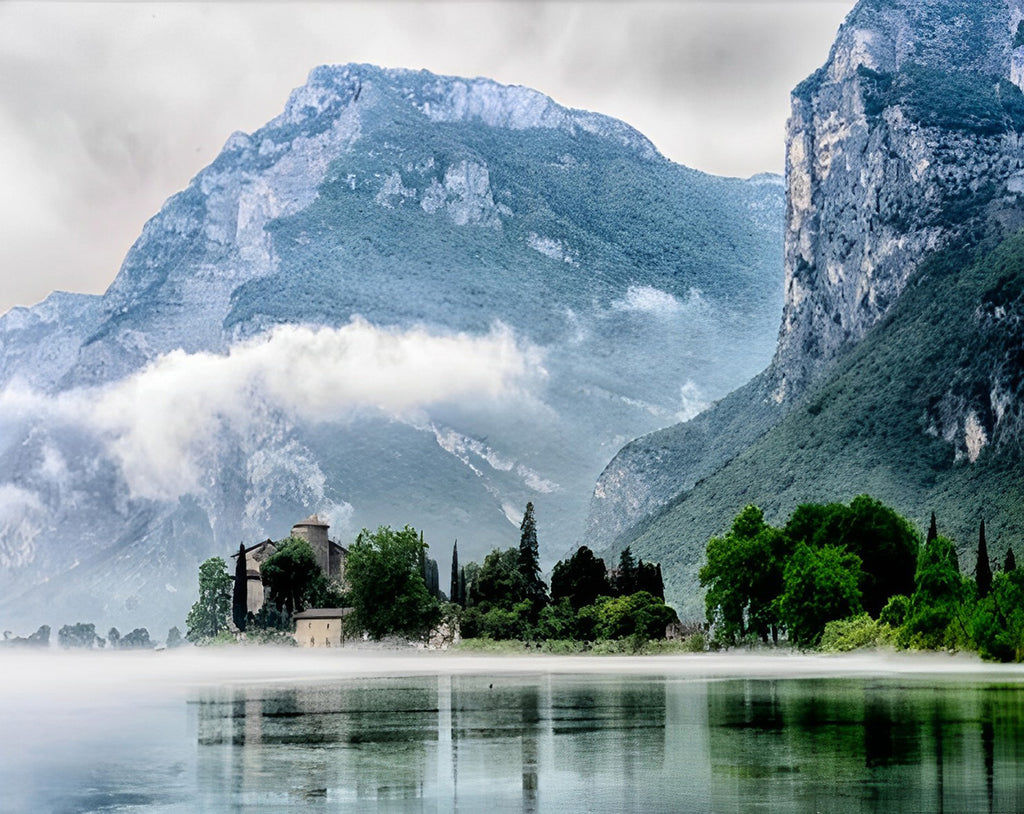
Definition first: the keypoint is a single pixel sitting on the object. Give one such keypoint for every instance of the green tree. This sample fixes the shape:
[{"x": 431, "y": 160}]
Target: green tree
[
  {"x": 453, "y": 590},
  {"x": 982, "y": 567},
  {"x": 638, "y": 615},
  {"x": 498, "y": 582},
  {"x": 997, "y": 625},
  {"x": 386, "y": 587},
  {"x": 884, "y": 541},
  {"x": 136, "y": 640},
  {"x": 82, "y": 634},
  {"x": 743, "y": 578},
  {"x": 648, "y": 578},
  {"x": 209, "y": 614},
  {"x": 819, "y": 585},
  {"x": 529, "y": 562},
  {"x": 937, "y": 616},
  {"x": 294, "y": 577},
  {"x": 581, "y": 579},
  {"x": 174, "y": 638},
  {"x": 1010, "y": 563},
  {"x": 625, "y": 575},
  {"x": 240, "y": 591},
  {"x": 114, "y": 637}
]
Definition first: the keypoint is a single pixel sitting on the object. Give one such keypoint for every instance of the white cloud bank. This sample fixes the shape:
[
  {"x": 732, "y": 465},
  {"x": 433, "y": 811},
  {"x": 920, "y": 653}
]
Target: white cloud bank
[{"x": 159, "y": 423}]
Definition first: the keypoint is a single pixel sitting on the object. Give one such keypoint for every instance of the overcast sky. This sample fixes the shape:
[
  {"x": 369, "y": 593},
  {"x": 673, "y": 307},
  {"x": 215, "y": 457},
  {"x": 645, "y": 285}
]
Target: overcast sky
[{"x": 107, "y": 109}]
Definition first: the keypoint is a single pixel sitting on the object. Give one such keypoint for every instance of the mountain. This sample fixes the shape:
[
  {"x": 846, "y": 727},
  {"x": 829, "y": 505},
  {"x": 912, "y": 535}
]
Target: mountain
[
  {"x": 897, "y": 369},
  {"x": 407, "y": 299}
]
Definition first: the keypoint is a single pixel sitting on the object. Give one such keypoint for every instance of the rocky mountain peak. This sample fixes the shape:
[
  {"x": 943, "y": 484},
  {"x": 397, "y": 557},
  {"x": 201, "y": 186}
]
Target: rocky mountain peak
[{"x": 900, "y": 144}]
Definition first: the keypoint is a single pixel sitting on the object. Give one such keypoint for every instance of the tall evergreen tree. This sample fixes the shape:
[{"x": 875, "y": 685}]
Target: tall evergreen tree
[
  {"x": 462, "y": 587},
  {"x": 529, "y": 559},
  {"x": 625, "y": 574},
  {"x": 983, "y": 569},
  {"x": 1010, "y": 564},
  {"x": 240, "y": 594},
  {"x": 453, "y": 590},
  {"x": 933, "y": 531}
]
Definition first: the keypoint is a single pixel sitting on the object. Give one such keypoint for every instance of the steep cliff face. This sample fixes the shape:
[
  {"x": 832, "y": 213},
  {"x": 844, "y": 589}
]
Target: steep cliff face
[
  {"x": 897, "y": 147},
  {"x": 907, "y": 141}
]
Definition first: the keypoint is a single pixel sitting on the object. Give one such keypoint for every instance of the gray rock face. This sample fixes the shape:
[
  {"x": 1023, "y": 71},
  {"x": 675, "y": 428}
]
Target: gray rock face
[
  {"x": 870, "y": 191},
  {"x": 904, "y": 142}
]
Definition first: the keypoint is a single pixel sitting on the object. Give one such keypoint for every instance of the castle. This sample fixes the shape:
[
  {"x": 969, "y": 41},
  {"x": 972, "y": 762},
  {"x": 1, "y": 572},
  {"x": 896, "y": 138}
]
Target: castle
[{"x": 330, "y": 556}]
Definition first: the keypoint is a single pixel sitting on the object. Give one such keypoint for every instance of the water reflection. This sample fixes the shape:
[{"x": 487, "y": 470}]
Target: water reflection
[{"x": 598, "y": 743}]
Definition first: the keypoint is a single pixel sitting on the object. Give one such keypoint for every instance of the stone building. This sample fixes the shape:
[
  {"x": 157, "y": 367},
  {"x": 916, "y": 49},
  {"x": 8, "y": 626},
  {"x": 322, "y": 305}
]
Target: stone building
[
  {"x": 330, "y": 556},
  {"x": 321, "y": 627}
]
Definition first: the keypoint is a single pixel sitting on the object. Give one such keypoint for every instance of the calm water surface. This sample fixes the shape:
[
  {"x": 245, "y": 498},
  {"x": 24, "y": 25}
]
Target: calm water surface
[{"x": 529, "y": 743}]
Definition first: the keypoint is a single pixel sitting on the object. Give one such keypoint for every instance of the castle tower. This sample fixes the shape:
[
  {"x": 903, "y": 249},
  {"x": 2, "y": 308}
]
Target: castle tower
[{"x": 314, "y": 531}]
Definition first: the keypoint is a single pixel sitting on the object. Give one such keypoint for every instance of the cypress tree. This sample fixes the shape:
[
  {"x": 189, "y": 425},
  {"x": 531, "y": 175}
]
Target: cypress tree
[
  {"x": 1011, "y": 562},
  {"x": 453, "y": 590},
  {"x": 626, "y": 573},
  {"x": 933, "y": 531},
  {"x": 462, "y": 587},
  {"x": 529, "y": 558},
  {"x": 983, "y": 570},
  {"x": 240, "y": 595}
]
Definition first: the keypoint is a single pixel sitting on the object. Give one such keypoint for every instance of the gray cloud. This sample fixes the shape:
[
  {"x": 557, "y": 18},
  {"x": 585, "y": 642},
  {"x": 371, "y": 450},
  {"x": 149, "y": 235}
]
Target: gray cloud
[{"x": 106, "y": 109}]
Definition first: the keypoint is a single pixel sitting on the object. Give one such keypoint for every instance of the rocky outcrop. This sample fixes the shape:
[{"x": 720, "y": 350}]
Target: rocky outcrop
[{"x": 908, "y": 140}]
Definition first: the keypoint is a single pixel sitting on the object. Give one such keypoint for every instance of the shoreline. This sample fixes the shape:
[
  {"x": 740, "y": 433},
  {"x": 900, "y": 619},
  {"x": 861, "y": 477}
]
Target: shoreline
[{"x": 30, "y": 672}]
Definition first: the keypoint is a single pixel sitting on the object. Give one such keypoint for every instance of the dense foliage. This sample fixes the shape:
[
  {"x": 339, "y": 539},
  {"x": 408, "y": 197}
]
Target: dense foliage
[
  {"x": 386, "y": 587},
  {"x": 295, "y": 579},
  {"x": 820, "y": 599},
  {"x": 505, "y": 598},
  {"x": 209, "y": 614}
]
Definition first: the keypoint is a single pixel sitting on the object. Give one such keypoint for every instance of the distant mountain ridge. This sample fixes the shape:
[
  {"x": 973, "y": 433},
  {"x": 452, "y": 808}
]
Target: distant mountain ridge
[
  {"x": 406, "y": 299},
  {"x": 905, "y": 146}
]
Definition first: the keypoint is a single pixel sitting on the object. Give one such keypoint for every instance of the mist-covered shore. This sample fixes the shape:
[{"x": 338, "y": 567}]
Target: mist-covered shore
[{"x": 33, "y": 672}]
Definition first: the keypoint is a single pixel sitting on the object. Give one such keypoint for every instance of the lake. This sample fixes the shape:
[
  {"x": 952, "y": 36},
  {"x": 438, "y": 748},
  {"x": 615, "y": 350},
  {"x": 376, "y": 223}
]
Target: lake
[{"x": 504, "y": 735}]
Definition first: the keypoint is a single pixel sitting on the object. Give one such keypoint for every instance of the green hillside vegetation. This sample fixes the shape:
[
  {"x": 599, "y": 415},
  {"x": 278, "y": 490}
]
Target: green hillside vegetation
[
  {"x": 875, "y": 425},
  {"x": 347, "y": 253}
]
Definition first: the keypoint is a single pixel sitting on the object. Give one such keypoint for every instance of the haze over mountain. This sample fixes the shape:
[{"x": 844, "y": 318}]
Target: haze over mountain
[
  {"x": 898, "y": 369},
  {"x": 407, "y": 299}
]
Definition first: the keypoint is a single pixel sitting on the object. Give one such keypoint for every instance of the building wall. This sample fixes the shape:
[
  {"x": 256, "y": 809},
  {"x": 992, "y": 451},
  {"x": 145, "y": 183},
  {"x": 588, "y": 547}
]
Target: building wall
[
  {"x": 316, "y": 536},
  {"x": 319, "y": 632}
]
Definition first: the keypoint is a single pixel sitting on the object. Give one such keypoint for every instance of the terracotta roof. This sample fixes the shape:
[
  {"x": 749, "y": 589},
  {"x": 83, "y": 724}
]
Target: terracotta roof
[{"x": 323, "y": 613}]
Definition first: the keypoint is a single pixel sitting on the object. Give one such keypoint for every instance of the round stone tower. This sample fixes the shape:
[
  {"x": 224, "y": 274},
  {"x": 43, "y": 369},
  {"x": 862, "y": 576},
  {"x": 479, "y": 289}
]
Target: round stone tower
[{"x": 314, "y": 531}]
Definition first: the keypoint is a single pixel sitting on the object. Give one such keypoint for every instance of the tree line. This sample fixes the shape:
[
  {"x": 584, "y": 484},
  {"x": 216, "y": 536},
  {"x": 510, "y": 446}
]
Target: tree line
[
  {"x": 393, "y": 588},
  {"x": 840, "y": 576}
]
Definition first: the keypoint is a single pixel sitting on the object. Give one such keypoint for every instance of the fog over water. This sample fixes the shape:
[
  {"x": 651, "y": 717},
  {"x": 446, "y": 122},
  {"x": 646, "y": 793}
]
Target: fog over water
[{"x": 367, "y": 730}]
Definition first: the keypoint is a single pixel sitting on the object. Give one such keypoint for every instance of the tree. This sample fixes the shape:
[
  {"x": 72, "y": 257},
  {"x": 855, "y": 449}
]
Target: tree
[
  {"x": 82, "y": 634},
  {"x": 137, "y": 639},
  {"x": 743, "y": 577},
  {"x": 648, "y": 578},
  {"x": 983, "y": 568},
  {"x": 581, "y": 579},
  {"x": 173, "y": 638},
  {"x": 529, "y": 562},
  {"x": 294, "y": 577},
  {"x": 1010, "y": 563},
  {"x": 209, "y": 614},
  {"x": 624, "y": 578},
  {"x": 498, "y": 582},
  {"x": 819, "y": 586},
  {"x": 454, "y": 593},
  {"x": 933, "y": 530},
  {"x": 638, "y": 615},
  {"x": 997, "y": 626},
  {"x": 937, "y": 615},
  {"x": 240, "y": 593},
  {"x": 386, "y": 586},
  {"x": 884, "y": 541},
  {"x": 114, "y": 637}
]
